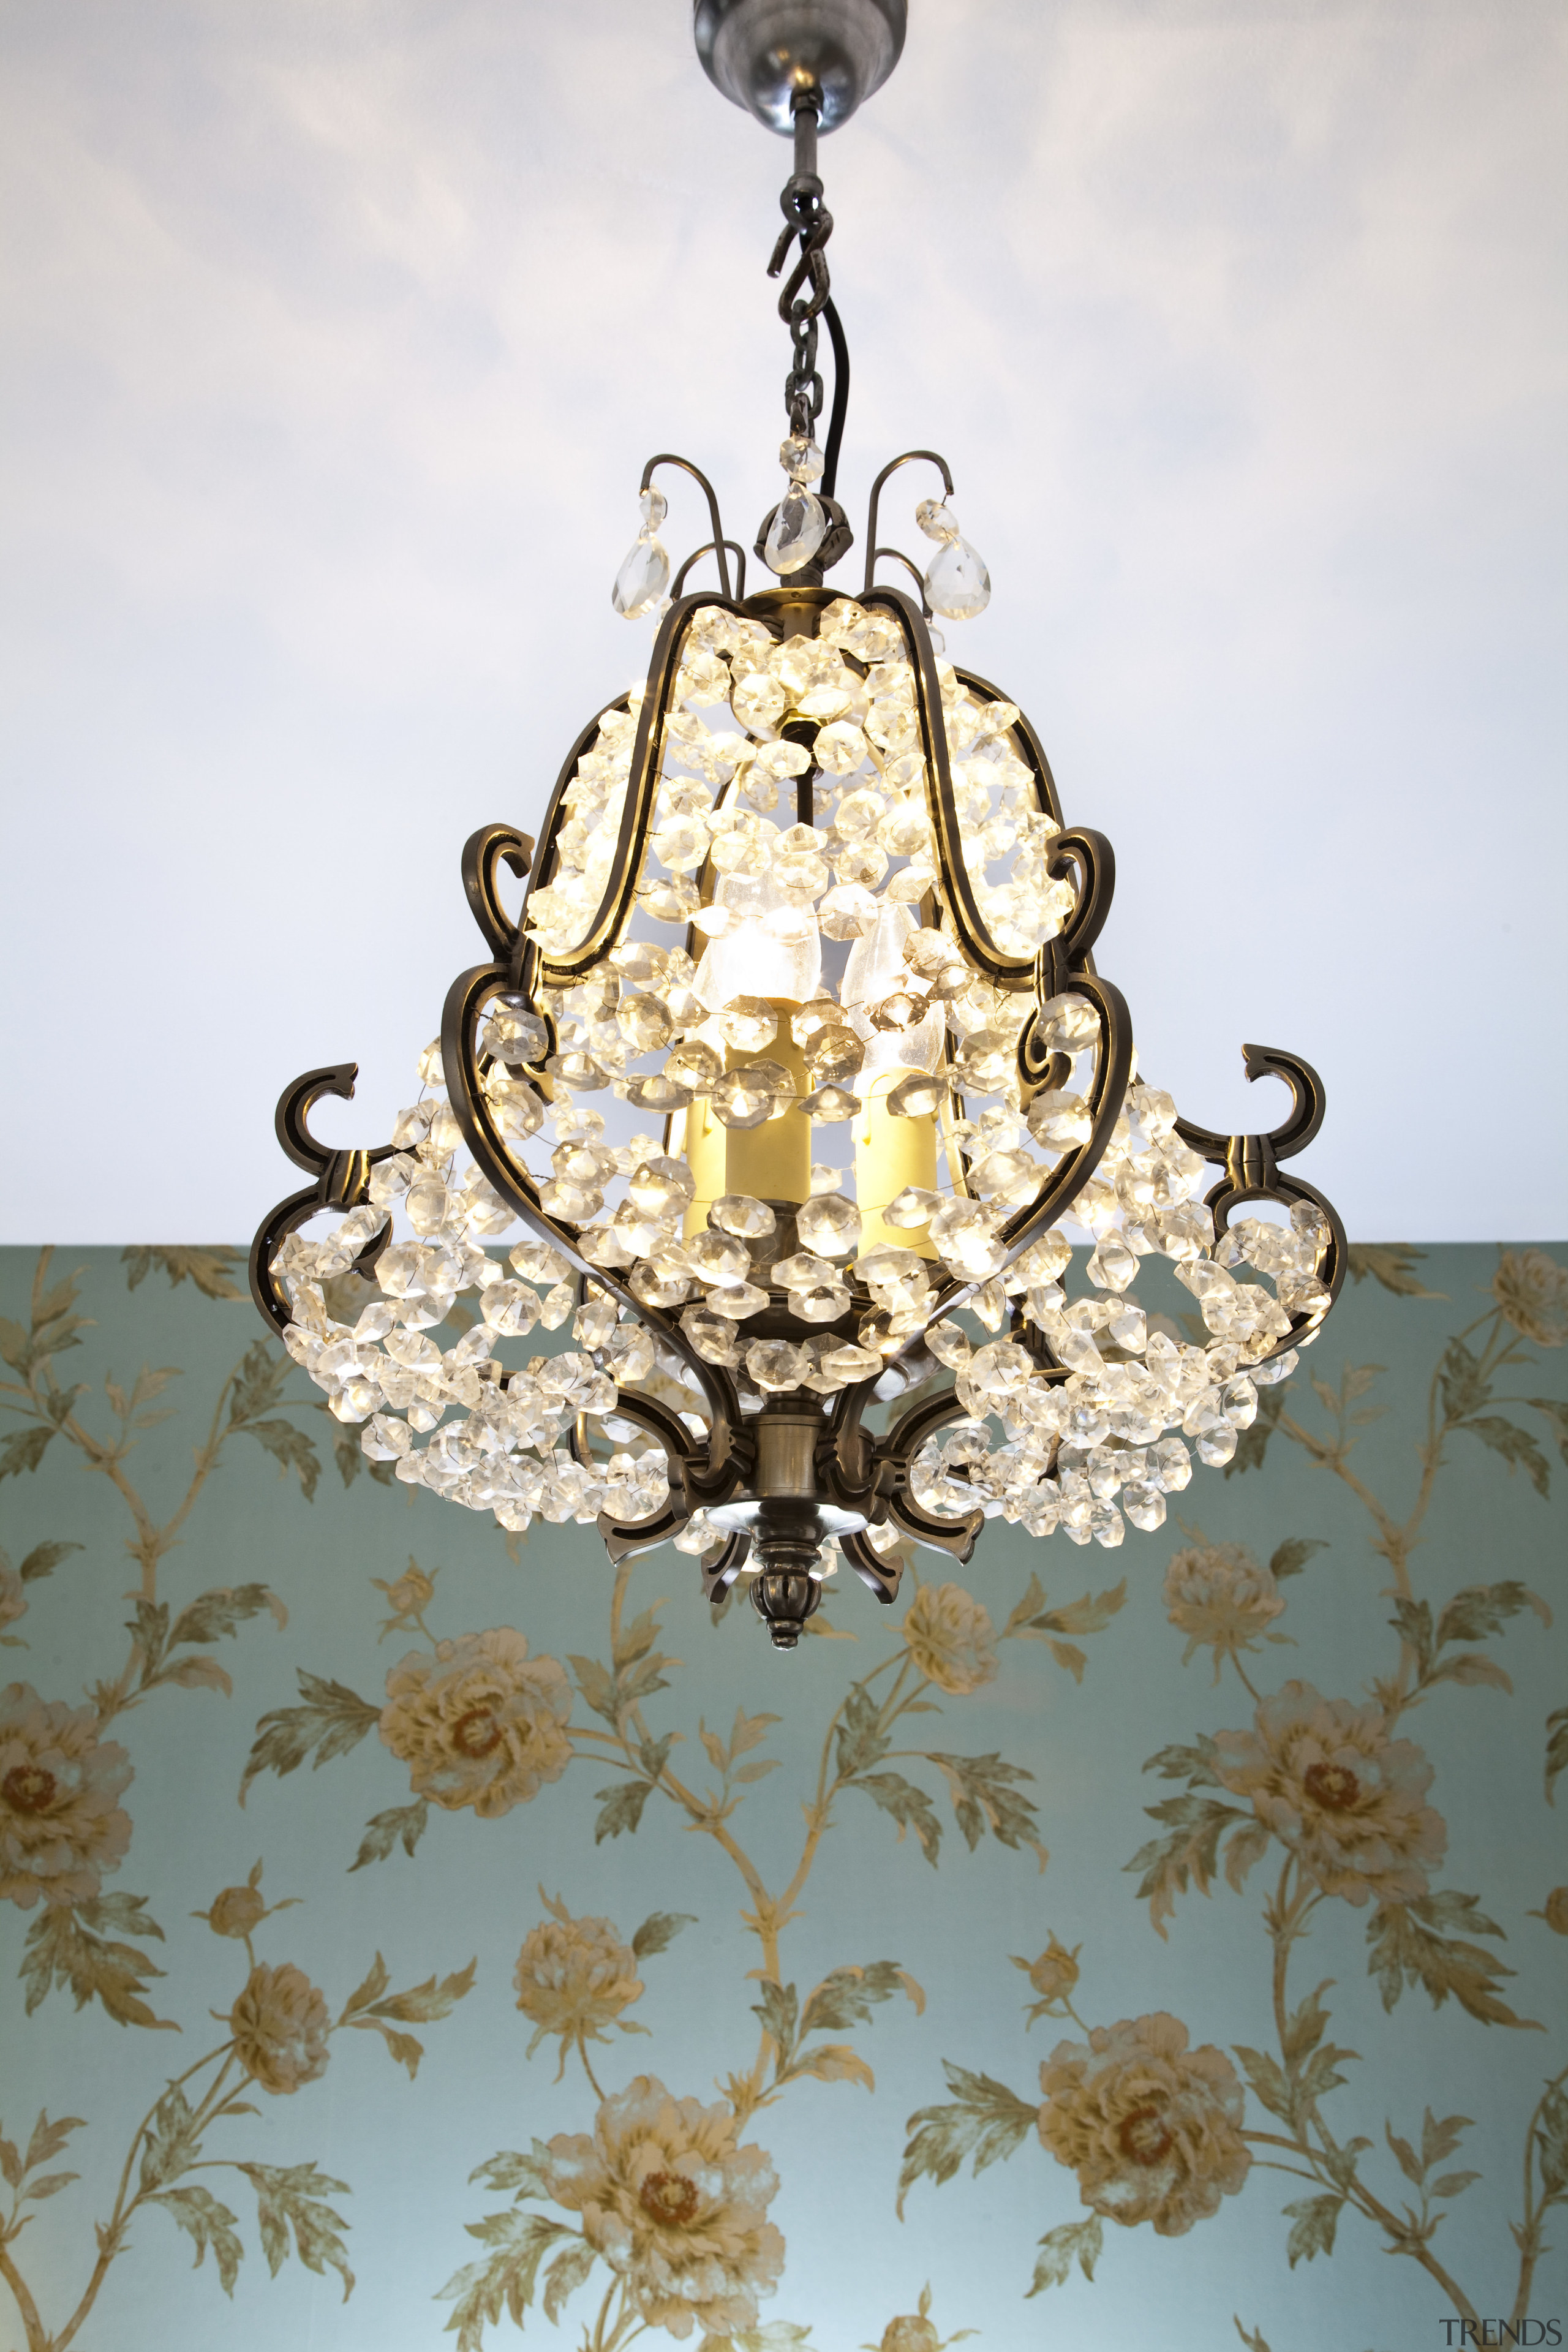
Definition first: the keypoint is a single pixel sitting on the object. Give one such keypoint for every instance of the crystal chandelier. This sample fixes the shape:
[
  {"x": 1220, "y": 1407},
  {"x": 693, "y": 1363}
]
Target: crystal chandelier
[{"x": 796, "y": 1076}]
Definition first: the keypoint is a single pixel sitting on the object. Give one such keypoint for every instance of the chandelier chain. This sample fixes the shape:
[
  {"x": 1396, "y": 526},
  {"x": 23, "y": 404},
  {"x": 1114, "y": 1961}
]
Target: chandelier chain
[{"x": 805, "y": 290}]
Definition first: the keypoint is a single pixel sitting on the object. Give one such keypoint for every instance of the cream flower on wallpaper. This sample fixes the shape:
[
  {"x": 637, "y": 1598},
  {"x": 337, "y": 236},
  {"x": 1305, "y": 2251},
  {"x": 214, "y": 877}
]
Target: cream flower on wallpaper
[
  {"x": 950, "y": 1636},
  {"x": 573, "y": 1977},
  {"x": 1152, "y": 2128},
  {"x": 675, "y": 2205},
  {"x": 60, "y": 1827},
  {"x": 1220, "y": 1598},
  {"x": 281, "y": 2025},
  {"x": 1054, "y": 1977},
  {"x": 480, "y": 1722},
  {"x": 1324, "y": 1776},
  {"x": 913, "y": 2332},
  {"x": 1532, "y": 1291}
]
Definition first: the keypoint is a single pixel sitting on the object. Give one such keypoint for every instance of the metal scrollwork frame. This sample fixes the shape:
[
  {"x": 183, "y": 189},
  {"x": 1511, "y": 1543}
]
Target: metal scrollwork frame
[{"x": 859, "y": 1473}]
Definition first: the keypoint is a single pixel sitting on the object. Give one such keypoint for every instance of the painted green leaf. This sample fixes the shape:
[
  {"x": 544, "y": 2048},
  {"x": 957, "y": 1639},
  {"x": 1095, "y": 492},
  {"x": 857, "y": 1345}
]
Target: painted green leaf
[
  {"x": 566, "y": 2274},
  {"x": 207, "y": 1268},
  {"x": 1290, "y": 1558},
  {"x": 1550, "y": 2137},
  {"x": 504, "y": 2281},
  {"x": 910, "y": 1807},
  {"x": 1186, "y": 1856},
  {"x": 400, "y": 1824},
  {"x": 291, "y": 1449},
  {"x": 659, "y": 1930},
  {"x": 1517, "y": 1446},
  {"x": 987, "y": 2122},
  {"x": 1556, "y": 1411},
  {"x": 290, "y": 2196},
  {"x": 1074, "y": 2241},
  {"x": 23, "y": 1450},
  {"x": 1483, "y": 1609},
  {"x": 44, "y": 1558},
  {"x": 1390, "y": 1264},
  {"x": 333, "y": 1720},
  {"x": 861, "y": 1739},
  {"x": 1556, "y": 1749},
  {"x": 169, "y": 2143},
  {"x": 985, "y": 1795},
  {"x": 1408, "y": 1945},
  {"x": 199, "y": 2213},
  {"x": 223, "y": 1611},
  {"x": 527, "y": 2175},
  {"x": 64, "y": 1949},
  {"x": 847, "y": 1996},
  {"x": 1312, "y": 2232},
  {"x": 620, "y": 1808}
]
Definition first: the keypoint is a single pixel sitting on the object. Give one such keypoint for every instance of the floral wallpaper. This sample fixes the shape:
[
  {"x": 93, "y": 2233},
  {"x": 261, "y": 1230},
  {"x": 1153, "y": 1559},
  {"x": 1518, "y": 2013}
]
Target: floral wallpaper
[{"x": 413, "y": 1936}]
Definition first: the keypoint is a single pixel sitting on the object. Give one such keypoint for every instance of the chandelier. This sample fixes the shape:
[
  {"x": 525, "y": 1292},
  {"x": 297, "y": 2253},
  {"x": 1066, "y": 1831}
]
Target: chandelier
[{"x": 793, "y": 1089}]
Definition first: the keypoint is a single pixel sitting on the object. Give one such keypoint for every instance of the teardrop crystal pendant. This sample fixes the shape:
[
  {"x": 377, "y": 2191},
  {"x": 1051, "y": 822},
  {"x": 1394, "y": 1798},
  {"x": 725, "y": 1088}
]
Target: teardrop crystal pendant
[
  {"x": 957, "y": 584},
  {"x": 798, "y": 528},
  {"x": 642, "y": 579}
]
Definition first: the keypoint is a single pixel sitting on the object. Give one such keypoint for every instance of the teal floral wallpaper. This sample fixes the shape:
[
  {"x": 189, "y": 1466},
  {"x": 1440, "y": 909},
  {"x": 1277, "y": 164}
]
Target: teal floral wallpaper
[{"x": 413, "y": 1935}]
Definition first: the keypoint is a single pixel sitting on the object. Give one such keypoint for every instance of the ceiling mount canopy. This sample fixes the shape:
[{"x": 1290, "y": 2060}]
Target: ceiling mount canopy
[
  {"x": 793, "y": 1087},
  {"x": 766, "y": 55}
]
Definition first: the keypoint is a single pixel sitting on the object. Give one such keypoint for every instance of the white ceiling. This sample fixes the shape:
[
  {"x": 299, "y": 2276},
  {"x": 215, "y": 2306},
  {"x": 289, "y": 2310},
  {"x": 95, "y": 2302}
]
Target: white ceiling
[{"x": 335, "y": 337}]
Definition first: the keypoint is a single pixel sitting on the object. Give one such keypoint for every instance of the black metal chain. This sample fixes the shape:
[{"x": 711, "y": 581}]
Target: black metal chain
[{"x": 805, "y": 290}]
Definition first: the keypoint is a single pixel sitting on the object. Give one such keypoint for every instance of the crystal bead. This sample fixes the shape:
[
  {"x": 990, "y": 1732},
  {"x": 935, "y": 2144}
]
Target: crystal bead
[
  {"x": 737, "y": 1300},
  {"x": 804, "y": 1270},
  {"x": 1059, "y": 1121},
  {"x": 535, "y": 1261},
  {"x": 828, "y": 1223},
  {"x": 1009, "y": 1176},
  {"x": 1066, "y": 1024},
  {"x": 775, "y": 1365},
  {"x": 657, "y": 1289},
  {"x": 840, "y": 749},
  {"x": 748, "y": 1024},
  {"x": 673, "y": 901},
  {"x": 848, "y": 911},
  {"x": 957, "y": 584},
  {"x": 797, "y": 529},
  {"x": 916, "y": 1097},
  {"x": 715, "y": 1258},
  {"x": 651, "y": 506},
  {"x": 643, "y": 1022},
  {"x": 985, "y": 1061},
  {"x": 830, "y": 1105},
  {"x": 514, "y": 1034},
  {"x": 693, "y": 1066},
  {"x": 949, "y": 1345},
  {"x": 511, "y": 1308},
  {"x": 741, "y": 1214},
  {"x": 1114, "y": 1265},
  {"x": 593, "y": 1321},
  {"x": 834, "y": 1052},
  {"x": 850, "y": 1362},
  {"x": 823, "y": 1303},
  {"x": 800, "y": 458},
  {"x": 713, "y": 1336},
  {"x": 643, "y": 576},
  {"x": 752, "y": 1094}
]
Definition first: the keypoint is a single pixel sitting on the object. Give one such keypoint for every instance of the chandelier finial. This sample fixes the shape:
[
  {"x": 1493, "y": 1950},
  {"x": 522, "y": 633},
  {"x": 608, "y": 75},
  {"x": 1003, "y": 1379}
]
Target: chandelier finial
[{"x": 763, "y": 53}]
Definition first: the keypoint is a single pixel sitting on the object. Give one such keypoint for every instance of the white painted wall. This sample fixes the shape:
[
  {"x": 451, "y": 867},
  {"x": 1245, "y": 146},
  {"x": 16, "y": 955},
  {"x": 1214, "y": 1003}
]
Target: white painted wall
[{"x": 335, "y": 337}]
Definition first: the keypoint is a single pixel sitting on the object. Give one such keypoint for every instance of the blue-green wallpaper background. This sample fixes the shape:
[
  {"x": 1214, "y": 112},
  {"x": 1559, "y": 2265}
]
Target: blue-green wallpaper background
[{"x": 1069, "y": 1705}]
